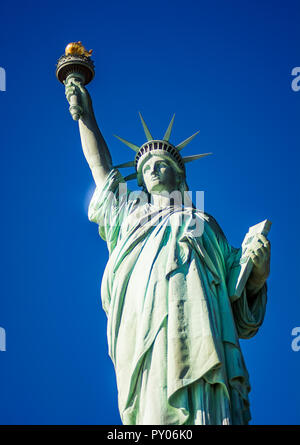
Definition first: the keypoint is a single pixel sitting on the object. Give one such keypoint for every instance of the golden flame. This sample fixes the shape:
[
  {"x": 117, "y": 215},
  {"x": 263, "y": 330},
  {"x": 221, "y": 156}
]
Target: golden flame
[{"x": 77, "y": 48}]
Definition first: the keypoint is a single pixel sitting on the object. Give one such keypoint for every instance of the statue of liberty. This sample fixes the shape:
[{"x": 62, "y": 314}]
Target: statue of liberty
[{"x": 174, "y": 323}]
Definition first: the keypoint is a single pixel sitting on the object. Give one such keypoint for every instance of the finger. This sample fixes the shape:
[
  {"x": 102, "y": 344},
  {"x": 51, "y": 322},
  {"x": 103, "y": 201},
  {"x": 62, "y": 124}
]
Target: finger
[
  {"x": 70, "y": 88},
  {"x": 255, "y": 246},
  {"x": 254, "y": 259},
  {"x": 70, "y": 94},
  {"x": 259, "y": 255},
  {"x": 77, "y": 83},
  {"x": 266, "y": 250},
  {"x": 264, "y": 240},
  {"x": 67, "y": 81},
  {"x": 261, "y": 263},
  {"x": 253, "y": 254},
  {"x": 259, "y": 238},
  {"x": 70, "y": 91},
  {"x": 260, "y": 252},
  {"x": 258, "y": 261}
]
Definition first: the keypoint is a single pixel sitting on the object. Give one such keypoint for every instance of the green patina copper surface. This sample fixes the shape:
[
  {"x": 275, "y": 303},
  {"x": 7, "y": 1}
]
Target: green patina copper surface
[
  {"x": 173, "y": 332},
  {"x": 174, "y": 317}
]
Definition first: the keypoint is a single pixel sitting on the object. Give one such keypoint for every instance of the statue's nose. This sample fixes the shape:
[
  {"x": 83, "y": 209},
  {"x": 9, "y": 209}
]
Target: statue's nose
[{"x": 152, "y": 170}]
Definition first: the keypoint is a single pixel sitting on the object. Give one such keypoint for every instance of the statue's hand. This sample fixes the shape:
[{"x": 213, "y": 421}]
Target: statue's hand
[
  {"x": 75, "y": 87},
  {"x": 260, "y": 256}
]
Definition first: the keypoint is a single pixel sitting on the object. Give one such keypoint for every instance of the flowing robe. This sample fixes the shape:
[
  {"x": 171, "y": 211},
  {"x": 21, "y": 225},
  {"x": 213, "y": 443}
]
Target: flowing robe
[{"x": 173, "y": 329}]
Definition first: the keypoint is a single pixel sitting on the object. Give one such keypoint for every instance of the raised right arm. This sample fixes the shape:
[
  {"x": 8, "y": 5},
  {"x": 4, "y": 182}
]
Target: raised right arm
[{"x": 93, "y": 144}]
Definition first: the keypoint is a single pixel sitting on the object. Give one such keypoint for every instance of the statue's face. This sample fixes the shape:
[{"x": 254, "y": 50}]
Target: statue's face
[{"x": 159, "y": 175}]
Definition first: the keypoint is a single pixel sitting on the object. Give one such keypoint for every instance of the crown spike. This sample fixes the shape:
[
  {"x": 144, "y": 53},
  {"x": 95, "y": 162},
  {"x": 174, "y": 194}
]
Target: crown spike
[
  {"x": 126, "y": 164},
  {"x": 146, "y": 129},
  {"x": 129, "y": 144},
  {"x": 186, "y": 141},
  {"x": 169, "y": 129},
  {"x": 194, "y": 157},
  {"x": 129, "y": 177}
]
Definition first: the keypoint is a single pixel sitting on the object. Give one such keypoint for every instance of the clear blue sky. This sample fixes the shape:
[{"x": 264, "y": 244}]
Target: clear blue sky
[{"x": 224, "y": 68}]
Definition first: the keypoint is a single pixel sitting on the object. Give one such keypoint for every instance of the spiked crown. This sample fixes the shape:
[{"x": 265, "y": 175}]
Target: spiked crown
[{"x": 161, "y": 147}]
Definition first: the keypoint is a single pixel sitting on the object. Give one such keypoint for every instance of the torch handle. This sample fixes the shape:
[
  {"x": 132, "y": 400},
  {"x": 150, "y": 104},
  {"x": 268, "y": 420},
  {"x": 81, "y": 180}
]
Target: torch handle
[{"x": 75, "y": 108}]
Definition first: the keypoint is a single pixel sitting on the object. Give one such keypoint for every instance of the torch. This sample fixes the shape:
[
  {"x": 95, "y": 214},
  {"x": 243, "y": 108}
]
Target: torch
[{"x": 75, "y": 64}]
